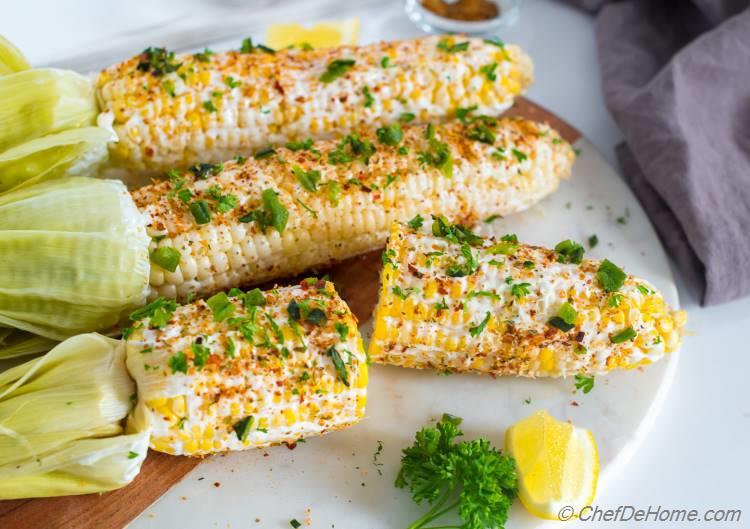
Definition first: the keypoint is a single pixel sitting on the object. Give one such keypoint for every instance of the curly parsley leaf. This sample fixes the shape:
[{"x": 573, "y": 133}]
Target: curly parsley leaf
[{"x": 469, "y": 478}]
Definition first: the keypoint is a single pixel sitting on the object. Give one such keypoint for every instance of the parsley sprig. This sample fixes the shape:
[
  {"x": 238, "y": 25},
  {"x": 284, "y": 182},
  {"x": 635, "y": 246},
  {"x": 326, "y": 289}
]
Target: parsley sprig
[{"x": 470, "y": 478}]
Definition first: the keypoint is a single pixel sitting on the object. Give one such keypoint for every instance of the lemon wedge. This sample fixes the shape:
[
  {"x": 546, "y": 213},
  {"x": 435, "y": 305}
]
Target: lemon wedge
[
  {"x": 321, "y": 35},
  {"x": 557, "y": 463}
]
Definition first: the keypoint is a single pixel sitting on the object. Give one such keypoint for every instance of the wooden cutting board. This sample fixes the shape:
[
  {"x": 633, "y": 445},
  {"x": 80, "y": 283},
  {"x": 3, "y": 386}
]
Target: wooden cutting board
[{"x": 356, "y": 280}]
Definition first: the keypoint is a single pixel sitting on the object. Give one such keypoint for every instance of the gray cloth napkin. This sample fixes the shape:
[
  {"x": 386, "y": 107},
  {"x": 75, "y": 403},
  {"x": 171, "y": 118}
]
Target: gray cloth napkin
[{"x": 676, "y": 78}]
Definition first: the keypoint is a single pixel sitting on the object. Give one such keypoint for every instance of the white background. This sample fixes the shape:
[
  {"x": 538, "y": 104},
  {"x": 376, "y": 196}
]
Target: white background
[{"x": 696, "y": 455}]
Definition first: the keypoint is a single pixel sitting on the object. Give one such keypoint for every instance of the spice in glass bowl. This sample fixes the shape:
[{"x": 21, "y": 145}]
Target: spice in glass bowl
[{"x": 466, "y": 10}]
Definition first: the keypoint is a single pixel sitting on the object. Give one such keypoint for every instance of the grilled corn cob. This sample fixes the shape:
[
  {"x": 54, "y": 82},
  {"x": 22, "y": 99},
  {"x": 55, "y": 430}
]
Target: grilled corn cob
[
  {"x": 288, "y": 210},
  {"x": 247, "y": 370},
  {"x": 173, "y": 111},
  {"x": 457, "y": 302}
]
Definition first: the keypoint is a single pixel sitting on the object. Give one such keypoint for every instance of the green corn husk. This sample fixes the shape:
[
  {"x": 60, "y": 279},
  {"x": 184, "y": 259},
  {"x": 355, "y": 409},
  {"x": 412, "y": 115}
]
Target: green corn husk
[
  {"x": 11, "y": 58},
  {"x": 71, "y": 152},
  {"x": 37, "y": 102},
  {"x": 73, "y": 257},
  {"x": 14, "y": 343},
  {"x": 61, "y": 422}
]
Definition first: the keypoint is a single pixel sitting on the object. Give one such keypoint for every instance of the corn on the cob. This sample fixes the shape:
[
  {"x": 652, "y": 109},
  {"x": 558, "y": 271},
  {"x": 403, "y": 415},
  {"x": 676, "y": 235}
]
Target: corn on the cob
[
  {"x": 453, "y": 301},
  {"x": 247, "y": 370},
  {"x": 332, "y": 211},
  {"x": 173, "y": 111}
]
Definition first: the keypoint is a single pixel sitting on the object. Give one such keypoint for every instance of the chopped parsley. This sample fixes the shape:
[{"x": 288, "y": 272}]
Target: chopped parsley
[
  {"x": 445, "y": 45},
  {"x": 437, "y": 155},
  {"x": 519, "y": 290},
  {"x": 159, "y": 311},
  {"x": 178, "y": 363},
  {"x": 477, "y": 329},
  {"x": 482, "y": 133},
  {"x": 462, "y": 114},
  {"x": 265, "y": 153},
  {"x": 387, "y": 257},
  {"x": 610, "y": 276},
  {"x": 454, "y": 232},
  {"x": 300, "y": 145},
  {"x": 495, "y": 41},
  {"x": 351, "y": 147},
  {"x": 209, "y": 105},
  {"x": 441, "y": 305},
  {"x": 166, "y": 257},
  {"x": 385, "y": 62},
  {"x": 231, "y": 82},
  {"x": 520, "y": 156},
  {"x": 492, "y": 218},
  {"x": 203, "y": 56},
  {"x": 307, "y": 179},
  {"x": 158, "y": 61},
  {"x": 614, "y": 300},
  {"x": 273, "y": 213},
  {"x": 584, "y": 383},
  {"x": 390, "y": 135},
  {"x": 593, "y": 241},
  {"x": 416, "y": 222},
  {"x": 132, "y": 455},
  {"x": 294, "y": 523},
  {"x": 569, "y": 251},
  {"x": 307, "y": 208},
  {"x": 624, "y": 335},
  {"x": 204, "y": 170},
  {"x": 336, "y": 69},
  {"x": 247, "y": 46},
  {"x": 489, "y": 71},
  {"x": 407, "y": 117},
  {"x": 483, "y": 293},
  {"x": 343, "y": 330},
  {"x": 369, "y": 100},
  {"x": 200, "y": 353},
  {"x": 469, "y": 266},
  {"x": 403, "y": 293}
]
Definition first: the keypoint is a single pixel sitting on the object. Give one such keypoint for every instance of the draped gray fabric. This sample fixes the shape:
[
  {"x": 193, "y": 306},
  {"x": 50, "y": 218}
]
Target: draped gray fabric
[{"x": 676, "y": 78}]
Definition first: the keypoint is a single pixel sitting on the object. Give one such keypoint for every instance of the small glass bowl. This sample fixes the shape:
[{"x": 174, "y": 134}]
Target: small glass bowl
[{"x": 430, "y": 22}]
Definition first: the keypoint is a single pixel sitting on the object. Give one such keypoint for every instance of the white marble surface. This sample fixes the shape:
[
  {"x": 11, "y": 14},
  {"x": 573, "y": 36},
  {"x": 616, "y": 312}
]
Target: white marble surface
[{"x": 695, "y": 455}]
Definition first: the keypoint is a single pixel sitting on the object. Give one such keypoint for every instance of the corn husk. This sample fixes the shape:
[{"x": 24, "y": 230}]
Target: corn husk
[
  {"x": 61, "y": 422},
  {"x": 11, "y": 58},
  {"x": 37, "y": 102},
  {"x": 73, "y": 257},
  {"x": 74, "y": 152}
]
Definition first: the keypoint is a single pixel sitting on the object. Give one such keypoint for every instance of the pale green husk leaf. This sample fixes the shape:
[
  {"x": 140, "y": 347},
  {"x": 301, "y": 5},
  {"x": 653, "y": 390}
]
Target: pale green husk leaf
[
  {"x": 11, "y": 58},
  {"x": 54, "y": 156},
  {"x": 73, "y": 257},
  {"x": 61, "y": 422}
]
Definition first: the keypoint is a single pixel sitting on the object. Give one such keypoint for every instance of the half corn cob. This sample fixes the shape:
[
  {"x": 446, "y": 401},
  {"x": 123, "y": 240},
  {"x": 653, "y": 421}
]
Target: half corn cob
[
  {"x": 453, "y": 301},
  {"x": 246, "y": 370},
  {"x": 290, "y": 209},
  {"x": 173, "y": 111}
]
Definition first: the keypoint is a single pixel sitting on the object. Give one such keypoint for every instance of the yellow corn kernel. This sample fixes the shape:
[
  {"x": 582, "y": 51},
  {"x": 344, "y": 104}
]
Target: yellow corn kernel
[
  {"x": 191, "y": 446},
  {"x": 290, "y": 416},
  {"x": 362, "y": 379},
  {"x": 547, "y": 360}
]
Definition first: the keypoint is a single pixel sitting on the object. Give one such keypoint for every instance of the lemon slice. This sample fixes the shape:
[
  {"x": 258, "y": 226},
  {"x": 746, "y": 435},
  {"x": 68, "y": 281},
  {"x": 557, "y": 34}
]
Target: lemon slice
[
  {"x": 321, "y": 35},
  {"x": 558, "y": 465}
]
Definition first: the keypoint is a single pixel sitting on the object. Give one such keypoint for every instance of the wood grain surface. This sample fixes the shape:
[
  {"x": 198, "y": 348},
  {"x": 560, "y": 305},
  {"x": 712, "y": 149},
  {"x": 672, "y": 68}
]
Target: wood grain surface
[{"x": 356, "y": 280}]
